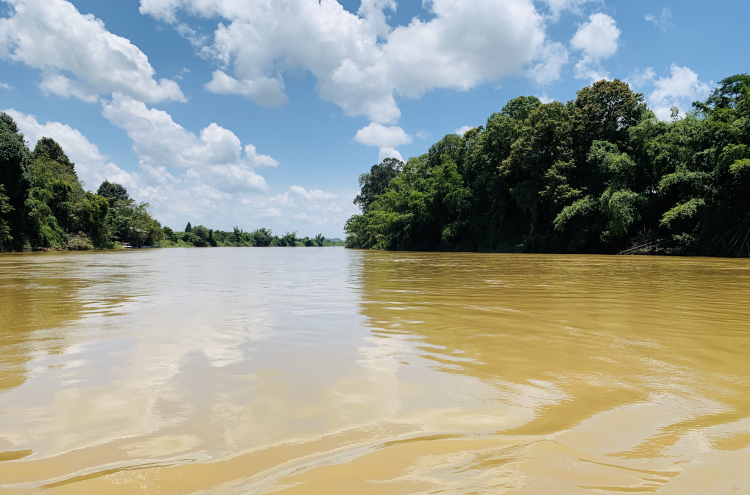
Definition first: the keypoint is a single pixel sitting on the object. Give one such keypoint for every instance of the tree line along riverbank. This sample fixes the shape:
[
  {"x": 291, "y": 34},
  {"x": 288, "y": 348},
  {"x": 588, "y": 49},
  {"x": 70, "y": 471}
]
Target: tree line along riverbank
[
  {"x": 44, "y": 206},
  {"x": 598, "y": 174},
  {"x": 200, "y": 236}
]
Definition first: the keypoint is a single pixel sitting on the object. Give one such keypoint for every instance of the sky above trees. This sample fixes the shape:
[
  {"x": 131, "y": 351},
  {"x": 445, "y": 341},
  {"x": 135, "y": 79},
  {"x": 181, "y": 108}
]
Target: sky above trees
[{"x": 264, "y": 112}]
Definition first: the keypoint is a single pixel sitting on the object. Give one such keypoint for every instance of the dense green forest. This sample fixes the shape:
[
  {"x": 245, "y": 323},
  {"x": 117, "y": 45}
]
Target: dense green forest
[
  {"x": 44, "y": 206},
  {"x": 598, "y": 174},
  {"x": 200, "y": 236}
]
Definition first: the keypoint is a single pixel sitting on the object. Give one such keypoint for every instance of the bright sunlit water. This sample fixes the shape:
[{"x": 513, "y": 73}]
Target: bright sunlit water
[{"x": 327, "y": 371}]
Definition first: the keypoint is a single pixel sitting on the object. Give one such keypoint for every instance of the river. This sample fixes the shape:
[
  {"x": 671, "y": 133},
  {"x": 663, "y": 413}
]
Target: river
[{"x": 329, "y": 371}]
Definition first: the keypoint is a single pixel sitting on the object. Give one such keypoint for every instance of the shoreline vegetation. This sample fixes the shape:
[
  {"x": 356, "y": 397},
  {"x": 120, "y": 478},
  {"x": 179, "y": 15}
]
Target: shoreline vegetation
[
  {"x": 600, "y": 174},
  {"x": 200, "y": 236},
  {"x": 44, "y": 207}
]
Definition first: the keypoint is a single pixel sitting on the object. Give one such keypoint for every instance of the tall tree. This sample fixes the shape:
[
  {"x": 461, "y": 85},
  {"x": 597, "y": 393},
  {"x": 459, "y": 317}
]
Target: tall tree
[
  {"x": 113, "y": 192},
  {"x": 5, "y": 207},
  {"x": 49, "y": 149},
  {"x": 374, "y": 183},
  {"x": 15, "y": 176}
]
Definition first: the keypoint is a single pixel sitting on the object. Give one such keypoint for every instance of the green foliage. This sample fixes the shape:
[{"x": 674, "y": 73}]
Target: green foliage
[
  {"x": 262, "y": 237},
  {"x": 288, "y": 240},
  {"x": 15, "y": 175},
  {"x": 170, "y": 234},
  {"x": 682, "y": 211},
  {"x": 597, "y": 174},
  {"x": 130, "y": 222},
  {"x": 48, "y": 149},
  {"x": 45, "y": 206},
  {"x": 374, "y": 184},
  {"x": 113, "y": 192},
  {"x": 7, "y": 122},
  {"x": 91, "y": 213},
  {"x": 200, "y": 236},
  {"x": 5, "y": 208},
  {"x": 51, "y": 202}
]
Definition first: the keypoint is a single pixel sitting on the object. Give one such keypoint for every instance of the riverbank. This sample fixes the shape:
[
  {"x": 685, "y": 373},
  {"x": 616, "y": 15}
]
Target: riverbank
[{"x": 598, "y": 174}]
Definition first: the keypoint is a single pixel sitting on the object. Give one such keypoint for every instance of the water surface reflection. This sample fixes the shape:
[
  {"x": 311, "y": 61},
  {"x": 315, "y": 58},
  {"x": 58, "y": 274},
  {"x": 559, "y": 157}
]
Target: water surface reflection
[{"x": 333, "y": 371}]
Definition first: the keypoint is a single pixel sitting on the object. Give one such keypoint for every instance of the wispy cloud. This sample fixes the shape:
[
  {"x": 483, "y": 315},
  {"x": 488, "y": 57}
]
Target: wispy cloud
[{"x": 663, "y": 21}]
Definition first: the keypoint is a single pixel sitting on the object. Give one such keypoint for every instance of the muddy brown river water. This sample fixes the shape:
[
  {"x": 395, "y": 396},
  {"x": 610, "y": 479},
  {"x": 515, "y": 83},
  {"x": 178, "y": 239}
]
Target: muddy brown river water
[{"x": 327, "y": 371}]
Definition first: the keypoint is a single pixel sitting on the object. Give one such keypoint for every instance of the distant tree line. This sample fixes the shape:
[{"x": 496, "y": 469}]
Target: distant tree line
[
  {"x": 43, "y": 204},
  {"x": 200, "y": 236},
  {"x": 598, "y": 174}
]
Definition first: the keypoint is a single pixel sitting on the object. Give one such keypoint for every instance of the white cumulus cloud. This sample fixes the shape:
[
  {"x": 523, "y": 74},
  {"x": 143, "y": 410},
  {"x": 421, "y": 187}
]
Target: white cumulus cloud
[
  {"x": 53, "y": 36},
  {"x": 254, "y": 159},
  {"x": 382, "y": 136},
  {"x": 215, "y": 154},
  {"x": 554, "y": 57},
  {"x": 462, "y": 130},
  {"x": 267, "y": 91},
  {"x": 598, "y": 41},
  {"x": 389, "y": 153},
  {"x": 6, "y": 86},
  {"x": 359, "y": 61},
  {"x": 680, "y": 90}
]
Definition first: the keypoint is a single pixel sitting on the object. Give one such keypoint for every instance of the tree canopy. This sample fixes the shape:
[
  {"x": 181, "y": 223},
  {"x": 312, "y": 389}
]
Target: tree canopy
[
  {"x": 113, "y": 192},
  {"x": 43, "y": 204},
  {"x": 598, "y": 174}
]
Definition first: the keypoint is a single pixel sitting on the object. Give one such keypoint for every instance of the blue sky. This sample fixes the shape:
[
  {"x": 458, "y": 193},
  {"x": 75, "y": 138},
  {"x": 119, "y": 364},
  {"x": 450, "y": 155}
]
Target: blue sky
[{"x": 263, "y": 113}]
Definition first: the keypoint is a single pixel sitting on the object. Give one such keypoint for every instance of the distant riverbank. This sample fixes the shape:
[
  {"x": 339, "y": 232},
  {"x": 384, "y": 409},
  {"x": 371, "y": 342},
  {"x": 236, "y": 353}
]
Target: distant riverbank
[{"x": 200, "y": 236}]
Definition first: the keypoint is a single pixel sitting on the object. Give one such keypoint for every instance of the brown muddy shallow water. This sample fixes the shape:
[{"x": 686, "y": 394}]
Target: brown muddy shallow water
[{"x": 327, "y": 371}]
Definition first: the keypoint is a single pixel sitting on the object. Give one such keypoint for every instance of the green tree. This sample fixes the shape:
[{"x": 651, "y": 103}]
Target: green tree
[
  {"x": 598, "y": 174},
  {"x": 15, "y": 174},
  {"x": 131, "y": 222},
  {"x": 190, "y": 238},
  {"x": 374, "y": 184},
  {"x": 262, "y": 237},
  {"x": 113, "y": 192},
  {"x": 170, "y": 234},
  {"x": 55, "y": 202},
  {"x": 201, "y": 236},
  {"x": 49, "y": 149},
  {"x": 288, "y": 240},
  {"x": 91, "y": 219},
  {"x": 5, "y": 207}
]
